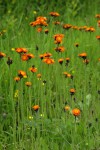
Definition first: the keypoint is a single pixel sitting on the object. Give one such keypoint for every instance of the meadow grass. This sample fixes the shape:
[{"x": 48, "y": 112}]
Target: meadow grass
[{"x": 51, "y": 127}]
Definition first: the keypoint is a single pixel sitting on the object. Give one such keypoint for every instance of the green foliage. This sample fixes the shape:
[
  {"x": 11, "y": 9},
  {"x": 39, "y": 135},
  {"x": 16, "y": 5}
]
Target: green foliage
[{"x": 51, "y": 127}]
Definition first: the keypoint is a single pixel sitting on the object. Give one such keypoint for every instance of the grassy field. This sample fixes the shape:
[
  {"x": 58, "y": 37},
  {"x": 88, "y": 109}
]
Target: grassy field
[{"x": 50, "y": 82}]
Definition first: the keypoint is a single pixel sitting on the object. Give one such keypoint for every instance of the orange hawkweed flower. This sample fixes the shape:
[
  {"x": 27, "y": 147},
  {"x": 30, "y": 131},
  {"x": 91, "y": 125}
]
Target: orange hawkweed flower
[
  {"x": 22, "y": 74},
  {"x": 98, "y": 37},
  {"x": 72, "y": 91},
  {"x": 67, "y": 26},
  {"x": 33, "y": 69},
  {"x": 48, "y": 61},
  {"x": 17, "y": 79},
  {"x": 84, "y": 27},
  {"x": 24, "y": 57},
  {"x": 68, "y": 59},
  {"x": 97, "y": 15},
  {"x": 99, "y": 59},
  {"x": 39, "y": 29},
  {"x": 2, "y": 55},
  {"x": 36, "y": 107},
  {"x": 60, "y": 60},
  {"x": 58, "y": 38},
  {"x": 58, "y": 35},
  {"x": 75, "y": 27},
  {"x": 21, "y": 50},
  {"x": 83, "y": 55},
  {"x": 60, "y": 49},
  {"x": 30, "y": 55},
  {"x": 54, "y": 14},
  {"x": 68, "y": 75},
  {"x": 76, "y": 112},
  {"x": 91, "y": 29},
  {"x": 40, "y": 21},
  {"x": 41, "y": 56},
  {"x": 47, "y": 55},
  {"x": 28, "y": 84},
  {"x": 39, "y": 76},
  {"x": 65, "y": 73}
]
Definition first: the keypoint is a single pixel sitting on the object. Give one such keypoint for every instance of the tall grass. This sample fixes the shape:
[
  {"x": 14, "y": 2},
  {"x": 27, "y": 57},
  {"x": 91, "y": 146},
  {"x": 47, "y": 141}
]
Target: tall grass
[{"x": 51, "y": 127}]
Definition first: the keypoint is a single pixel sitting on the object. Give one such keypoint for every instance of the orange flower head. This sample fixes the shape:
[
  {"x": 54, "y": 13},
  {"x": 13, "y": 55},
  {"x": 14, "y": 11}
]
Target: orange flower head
[
  {"x": 83, "y": 55},
  {"x": 65, "y": 73},
  {"x": 54, "y": 14},
  {"x": 21, "y": 50},
  {"x": 47, "y": 55},
  {"x": 68, "y": 75},
  {"x": 30, "y": 55},
  {"x": 33, "y": 69},
  {"x": 67, "y": 26},
  {"x": 39, "y": 29},
  {"x": 24, "y": 50},
  {"x": 58, "y": 38},
  {"x": 2, "y": 55},
  {"x": 17, "y": 79},
  {"x": 67, "y": 59},
  {"x": 22, "y": 74},
  {"x": 41, "y": 56},
  {"x": 91, "y": 29},
  {"x": 97, "y": 15},
  {"x": 98, "y": 37},
  {"x": 84, "y": 27},
  {"x": 75, "y": 27},
  {"x": 60, "y": 49},
  {"x": 76, "y": 112},
  {"x": 72, "y": 91},
  {"x": 48, "y": 61},
  {"x": 28, "y": 84},
  {"x": 58, "y": 35},
  {"x": 40, "y": 21},
  {"x": 39, "y": 76},
  {"x": 24, "y": 57},
  {"x": 60, "y": 60},
  {"x": 36, "y": 107}
]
